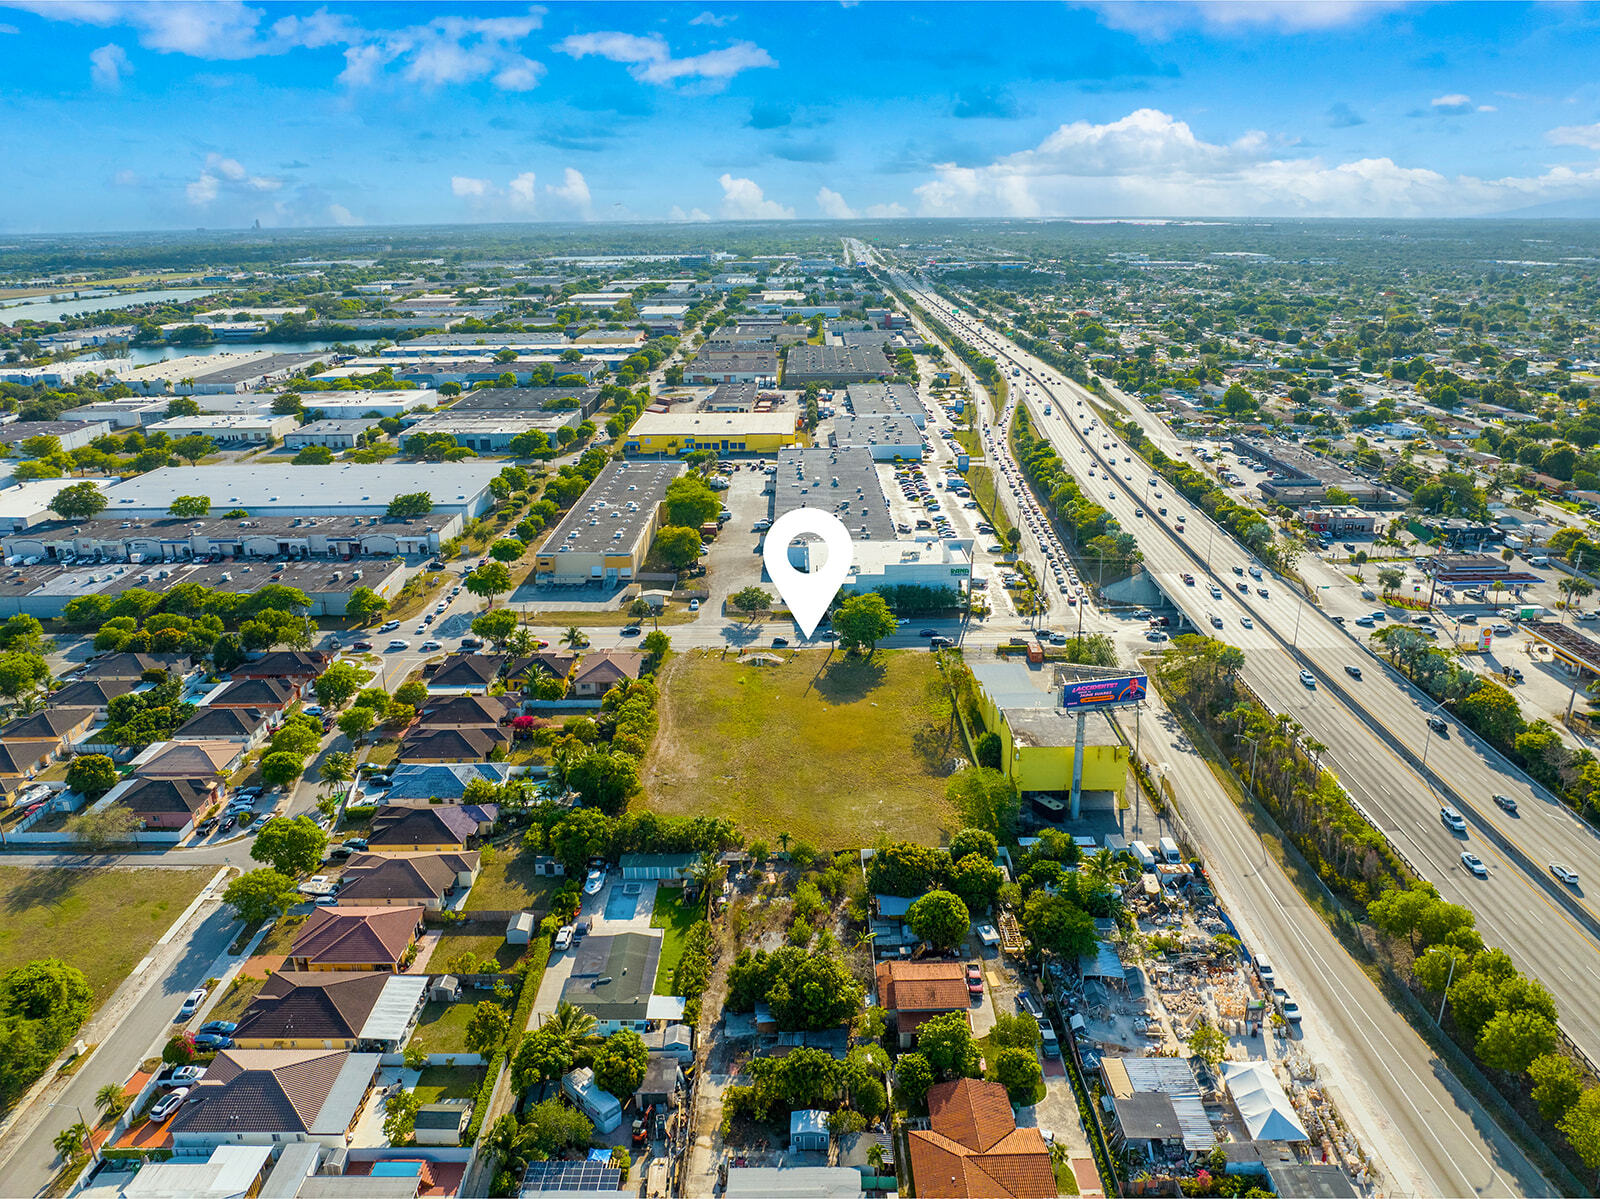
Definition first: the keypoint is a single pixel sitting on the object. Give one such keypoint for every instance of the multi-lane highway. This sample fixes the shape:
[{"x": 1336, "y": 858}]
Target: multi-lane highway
[{"x": 1375, "y": 728}]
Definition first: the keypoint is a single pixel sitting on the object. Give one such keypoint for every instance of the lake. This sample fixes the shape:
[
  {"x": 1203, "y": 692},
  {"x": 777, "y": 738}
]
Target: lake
[
  {"x": 53, "y": 309},
  {"x": 144, "y": 355}
]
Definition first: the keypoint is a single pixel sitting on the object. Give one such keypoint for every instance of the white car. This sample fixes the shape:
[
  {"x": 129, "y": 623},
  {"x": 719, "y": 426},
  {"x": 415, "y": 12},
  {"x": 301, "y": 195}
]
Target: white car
[
  {"x": 564, "y": 937},
  {"x": 168, "y": 1104},
  {"x": 1565, "y": 873},
  {"x": 1308, "y": 679},
  {"x": 1475, "y": 864},
  {"x": 596, "y": 880},
  {"x": 192, "y": 1004}
]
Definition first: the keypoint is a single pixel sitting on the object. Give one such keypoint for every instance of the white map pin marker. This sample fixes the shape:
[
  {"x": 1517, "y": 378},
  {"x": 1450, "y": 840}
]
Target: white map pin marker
[{"x": 808, "y": 594}]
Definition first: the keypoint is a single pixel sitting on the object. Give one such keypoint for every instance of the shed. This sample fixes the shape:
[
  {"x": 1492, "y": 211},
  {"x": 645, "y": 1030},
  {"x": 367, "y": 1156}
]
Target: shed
[
  {"x": 656, "y": 867},
  {"x": 662, "y": 1078},
  {"x": 604, "y": 1108},
  {"x": 442, "y": 1123},
  {"x": 1265, "y": 1109},
  {"x": 808, "y": 1131},
  {"x": 675, "y": 1040},
  {"x": 445, "y": 989},
  {"x": 519, "y": 929}
]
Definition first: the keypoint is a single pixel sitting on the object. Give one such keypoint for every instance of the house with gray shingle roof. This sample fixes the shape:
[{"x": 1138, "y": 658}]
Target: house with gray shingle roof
[{"x": 267, "y": 1096}]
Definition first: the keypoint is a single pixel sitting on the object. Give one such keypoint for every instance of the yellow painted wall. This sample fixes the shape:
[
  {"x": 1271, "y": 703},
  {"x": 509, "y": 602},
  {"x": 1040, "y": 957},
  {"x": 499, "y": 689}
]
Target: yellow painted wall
[
  {"x": 677, "y": 443},
  {"x": 1049, "y": 767}
]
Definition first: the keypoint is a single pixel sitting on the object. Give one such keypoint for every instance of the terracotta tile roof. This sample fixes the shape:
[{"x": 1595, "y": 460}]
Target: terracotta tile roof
[
  {"x": 312, "y": 1004},
  {"x": 549, "y": 662},
  {"x": 975, "y": 1149},
  {"x": 608, "y": 666},
  {"x": 131, "y": 666},
  {"x": 274, "y": 1090},
  {"x": 356, "y": 935},
  {"x": 285, "y": 664},
  {"x": 462, "y": 711},
  {"x": 190, "y": 759},
  {"x": 467, "y": 670},
  {"x": 211, "y": 722},
  {"x": 923, "y": 987}
]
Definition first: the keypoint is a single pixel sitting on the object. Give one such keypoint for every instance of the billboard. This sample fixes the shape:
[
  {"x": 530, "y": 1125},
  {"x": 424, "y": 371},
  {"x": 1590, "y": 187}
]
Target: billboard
[{"x": 1091, "y": 693}]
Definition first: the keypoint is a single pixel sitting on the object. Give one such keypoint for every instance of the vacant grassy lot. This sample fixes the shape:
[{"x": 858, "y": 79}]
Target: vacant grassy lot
[
  {"x": 101, "y": 921},
  {"x": 442, "y": 1027},
  {"x": 508, "y": 884},
  {"x": 981, "y": 481},
  {"x": 448, "y": 1082},
  {"x": 487, "y": 942},
  {"x": 676, "y": 918},
  {"x": 829, "y": 749}
]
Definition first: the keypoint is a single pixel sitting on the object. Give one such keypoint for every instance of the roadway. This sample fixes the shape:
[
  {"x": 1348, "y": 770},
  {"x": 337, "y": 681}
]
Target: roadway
[{"x": 1375, "y": 728}]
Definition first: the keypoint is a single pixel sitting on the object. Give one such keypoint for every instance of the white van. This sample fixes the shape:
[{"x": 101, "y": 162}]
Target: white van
[
  {"x": 1264, "y": 970},
  {"x": 1141, "y": 851},
  {"x": 564, "y": 936},
  {"x": 1169, "y": 851}
]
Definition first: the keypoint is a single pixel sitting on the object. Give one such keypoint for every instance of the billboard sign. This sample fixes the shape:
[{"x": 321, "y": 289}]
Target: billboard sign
[{"x": 1093, "y": 693}]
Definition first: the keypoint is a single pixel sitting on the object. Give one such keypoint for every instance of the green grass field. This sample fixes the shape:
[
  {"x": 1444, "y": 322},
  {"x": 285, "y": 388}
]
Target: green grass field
[
  {"x": 484, "y": 941},
  {"x": 981, "y": 480},
  {"x": 448, "y": 1082},
  {"x": 829, "y": 749},
  {"x": 676, "y": 919},
  {"x": 508, "y": 884},
  {"x": 442, "y": 1027},
  {"x": 101, "y": 921}
]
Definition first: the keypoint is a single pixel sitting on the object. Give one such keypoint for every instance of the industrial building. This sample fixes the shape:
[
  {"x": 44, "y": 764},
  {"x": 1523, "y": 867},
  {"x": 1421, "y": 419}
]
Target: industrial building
[
  {"x": 927, "y": 562},
  {"x": 490, "y": 432},
  {"x": 257, "y": 429},
  {"x": 69, "y": 434},
  {"x": 807, "y": 363},
  {"x": 606, "y": 536},
  {"x": 886, "y": 438},
  {"x": 216, "y": 374},
  {"x": 843, "y": 482},
  {"x": 583, "y": 401},
  {"x": 750, "y": 365},
  {"x": 1301, "y": 478},
  {"x": 344, "y": 489},
  {"x": 722, "y": 432},
  {"x": 330, "y": 434},
  {"x": 171, "y": 539},
  {"x": 886, "y": 399},
  {"x": 1037, "y": 736}
]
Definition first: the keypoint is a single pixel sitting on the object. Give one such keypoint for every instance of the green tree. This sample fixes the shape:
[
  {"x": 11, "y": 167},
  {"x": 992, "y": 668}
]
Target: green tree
[
  {"x": 281, "y": 768},
  {"x": 1015, "y": 1030},
  {"x": 488, "y": 1028},
  {"x": 72, "y": 1142},
  {"x": 400, "y": 1117},
  {"x": 293, "y": 847},
  {"x": 1493, "y": 712},
  {"x": 542, "y": 1056},
  {"x": 751, "y": 600},
  {"x": 338, "y": 683},
  {"x": 258, "y": 895},
  {"x": 1017, "y": 1070},
  {"x": 365, "y": 605},
  {"x": 507, "y": 549},
  {"x": 1581, "y": 1127},
  {"x": 98, "y": 829},
  {"x": 678, "y": 547},
  {"x": 313, "y": 455},
  {"x": 356, "y": 723},
  {"x": 913, "y": 1075},
  {"x": 552, "y": 1127},
  {"x": 604, "y": 779},
  {"x": 190, "y": 506},
  {"x": 977, "y": 882},
  {"x": 940, "y": 918},
  {"x": 410, "y": 505},
  {"x": 946, "y": 1041},
  {"x": 620, "y": 1064},
  {"x": 862, "y": 621},
  {"x": 414, "y": 693},
  {"x": 985, "y": 799},
  {"x": 657, "y": 644},
  {"x": 111, "y": 1099},
  {"x": 1057, "y": 925},
  {"x": 1208, "y": 1043},
  {"x": 1557, "y": 1084},
  {"x": 92, "y": 775},
  {"x": 690, "y": 503},
  {"x": 989, "y": 750},
  {"x": 489, "y": 580},
  {"x": 193, "y": 448},
  {"x": 80, "y": 501},
  {"x": 1511, "y": 1040},
  {"x": 337, "y": 769}
]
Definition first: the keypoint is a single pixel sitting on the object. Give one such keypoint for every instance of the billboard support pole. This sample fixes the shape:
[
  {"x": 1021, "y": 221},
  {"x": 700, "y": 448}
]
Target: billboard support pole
[{"x": 1077, "y": 764}]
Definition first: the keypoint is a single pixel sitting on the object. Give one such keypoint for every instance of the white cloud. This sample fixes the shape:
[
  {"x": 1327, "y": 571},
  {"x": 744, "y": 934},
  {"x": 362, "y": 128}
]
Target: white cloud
[
  {"x": 1150, "y": 164},
  {"x": 711, "y": 18},
  {"x": 1454, "y": 102},
  {"x": 465, "y": 185},
  {"x": 340, "y": 215},
  {"x": 694, "y": 214},
  {"x": 878, "y": 212},
  {"x": 1237, "y": 16},
  {"x": 444, "y": 51},
  {"x": 1586, "y": 136},
  {"x": 833, "y": 205},
  {"x": 743, "y": 200},
  {"x": 521, "y": 191},
  {"x": 108, "y": 65},
  {"x": 574, "y": 192},
  {"x": 228, "y": 176},
  {"x": 649, "y": 57}
]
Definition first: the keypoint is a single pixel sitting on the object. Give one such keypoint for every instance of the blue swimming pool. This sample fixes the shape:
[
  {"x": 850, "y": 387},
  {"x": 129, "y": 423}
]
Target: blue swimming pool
[{"x": 620, "y": 905}]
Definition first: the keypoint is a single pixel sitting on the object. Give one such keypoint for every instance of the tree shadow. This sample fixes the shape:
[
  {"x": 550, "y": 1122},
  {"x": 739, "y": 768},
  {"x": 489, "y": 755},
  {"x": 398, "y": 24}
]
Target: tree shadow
[
  {"x": 45, "y": 888},
  {"x": 846, "y": 680},
  {"x": 934, "y": 747}
]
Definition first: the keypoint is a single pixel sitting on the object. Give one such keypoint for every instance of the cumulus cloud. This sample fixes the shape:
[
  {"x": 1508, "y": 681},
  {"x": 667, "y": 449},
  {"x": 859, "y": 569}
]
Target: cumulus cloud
[
  {"x": 1454, "y": 102},
  {"x": 1242, "y": 17},
  {"x": 1151, "y": 164},
  {"x": 226, "y": 176},
  {"x": 743, "y": 200},
  {"x": 340, "y": 215},
  {"x": 108, "y": 65},
  {"x": 467, "y": 186},
  {"x": 833, "y": 205},
  {"x": 1585, "y": 136},
  {"x": 694, "y": 214},
  {"x": 711, "y": 18},
  {"x": 649, "y": 58},
  {"x": 521, "y": 197},
  {"x": 573, "y": 191},
  {"x": 521, "y": 190}
]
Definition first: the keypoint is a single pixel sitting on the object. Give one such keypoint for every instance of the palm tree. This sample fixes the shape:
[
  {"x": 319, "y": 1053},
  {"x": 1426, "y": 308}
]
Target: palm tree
[
  {"x": 337, "y": 769},
  {"x": 111, "y": 1099},
  {"x": 572, "y": 1024},
  {"x": 71, "y": 1142},
  {"x": 1103, "y": 869},
  {"x": 573, "y": 638},
  {"x": 701, "y": 871}
]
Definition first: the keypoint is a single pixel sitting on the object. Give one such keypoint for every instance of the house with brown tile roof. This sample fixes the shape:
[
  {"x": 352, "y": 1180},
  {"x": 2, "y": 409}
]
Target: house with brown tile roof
[
  {"x": 355, "y": 938},
  {"x": 973, "y": 1148},
  {"x": 132, "y": 666},
  {"x": 453, "y": 744},
  {"x": 544, "y": 664},
  {"x": 315, "y": 1009},
  {"x": 95, "y": 694},
  {"x": 298, "y": 666},
  {"x": 189, "y": 759},
  {"x": 912, "y": 992},
  {"x": 269, "y": 695},
  {"x": 30, "y": 743},
  {"x": 21, "y": 760},
  {"x": 402, "y": 879},
  {"x": 466, "y": 673},
  {"x": 267, "y": 1096},
  {"x": 248, "y": 726},
  {"x": 464, "y": 711},
  {"x": 165, "y": 804},
  {"x": 600, "y": 672},
  {"x": 434, "y": 827}
]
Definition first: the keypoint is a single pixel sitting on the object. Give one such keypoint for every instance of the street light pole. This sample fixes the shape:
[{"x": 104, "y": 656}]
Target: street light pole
[{"x": 1439, "y": 1019}]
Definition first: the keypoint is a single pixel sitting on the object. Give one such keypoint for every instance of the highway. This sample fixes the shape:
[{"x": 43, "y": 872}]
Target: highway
[{"x": 1375, "y": 728}]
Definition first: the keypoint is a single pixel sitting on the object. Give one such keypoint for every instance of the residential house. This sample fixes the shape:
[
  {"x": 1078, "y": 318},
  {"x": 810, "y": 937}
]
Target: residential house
[
  {"x": 265, "y": 695},
  {"x": 453, "y": 744},
  {"x": 445, "y": 782},
  {"x": 466, "y": 674},
  {"x": 973, "y": 1149},
  {"x": 298, "y": 666},
  {"x": 93, "y": 694},
  {"x": 207, "y": 760},
  {"x": 131, "y": 666},
  {"x": 249, "y": 727},
  {"x": 270, "y": 1096},
  {"x": 518, "y": 672},
  {"x": 663, "y": 1078},
  {"x": 165, "y": 804},
  {"x": 613, "y": 979},
  {"x": 913, "y": 992},
  {"x": 20, "y": 761},
  {"x": 407, "y": 879},
  {"x": 464, "y": 712},
  {"x": 323, "y": 1009},
  {"x": 435, "y": 827},
  {"x": 355, "y": 938},
  {"x": 30, "y": 743},
  {"x": 600, "y": 672}
]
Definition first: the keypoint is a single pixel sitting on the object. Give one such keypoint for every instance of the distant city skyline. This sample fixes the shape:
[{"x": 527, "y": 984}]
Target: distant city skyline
[{"x": 131, "y": 116}]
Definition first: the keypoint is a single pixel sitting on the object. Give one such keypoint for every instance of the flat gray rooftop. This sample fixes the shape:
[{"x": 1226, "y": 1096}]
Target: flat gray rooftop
[
  {"x": 844, "y": 482},
  {"x": 622, "y": 499}
]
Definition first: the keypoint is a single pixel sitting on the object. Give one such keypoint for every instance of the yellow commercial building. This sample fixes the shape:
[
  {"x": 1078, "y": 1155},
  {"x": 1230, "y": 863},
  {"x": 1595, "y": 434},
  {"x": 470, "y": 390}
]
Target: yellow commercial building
[
  {"x": 1037, "y": 739},
  {"x": 679, "y": 433}
]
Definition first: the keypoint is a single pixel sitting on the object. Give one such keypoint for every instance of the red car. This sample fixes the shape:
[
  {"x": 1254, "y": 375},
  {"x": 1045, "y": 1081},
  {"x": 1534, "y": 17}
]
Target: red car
[{"x": 974, "y": 979}]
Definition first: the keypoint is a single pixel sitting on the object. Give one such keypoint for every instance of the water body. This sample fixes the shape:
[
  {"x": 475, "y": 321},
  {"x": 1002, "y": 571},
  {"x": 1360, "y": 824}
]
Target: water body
[
  {"x": 53, "y": 309},
  {"x": 144, "y": 355}
]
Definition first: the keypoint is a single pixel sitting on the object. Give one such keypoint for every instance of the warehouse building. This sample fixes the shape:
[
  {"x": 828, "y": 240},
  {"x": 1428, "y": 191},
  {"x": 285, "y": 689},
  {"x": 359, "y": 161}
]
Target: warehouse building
[
  {"x": 679, "y": 433},
  {"x": 843, "y": 482},
  {"x": 216, "y": 374},
  {"x": 253, "y": 428},
  {"x": 69, "y": 434},
  {"x": 752, "y": 365},
  {"x": 344, "y": 489},
  {"x": 886, "y": 399},
  {"x": 886, "y": 438},
  {"x": 177, "y": 540},
  {"x": 925, "y": 562},
  {"x": 330, "y": 434},
  {"x": 351, "y": 405},
  {"x": 584, "y": 401},
  {"x": 606, "y": 536},
  {"x": 490, "y": 432},
  {"x": 834, "y": 364}
]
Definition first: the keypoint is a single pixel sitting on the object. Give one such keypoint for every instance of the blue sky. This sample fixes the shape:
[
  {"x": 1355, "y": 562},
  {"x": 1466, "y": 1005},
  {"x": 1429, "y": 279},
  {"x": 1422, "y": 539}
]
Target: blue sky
[{"x": 178, "y": 115}]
